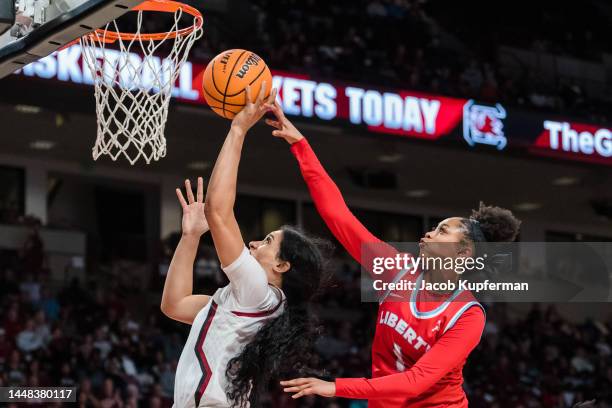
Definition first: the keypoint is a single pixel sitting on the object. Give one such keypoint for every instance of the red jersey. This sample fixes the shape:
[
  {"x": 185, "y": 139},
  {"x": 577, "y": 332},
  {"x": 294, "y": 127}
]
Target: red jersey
[{"x": 421, "y": 344}]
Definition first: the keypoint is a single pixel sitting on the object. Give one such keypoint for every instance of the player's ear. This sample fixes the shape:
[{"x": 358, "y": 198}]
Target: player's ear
[{"x": 282, "y": 267}]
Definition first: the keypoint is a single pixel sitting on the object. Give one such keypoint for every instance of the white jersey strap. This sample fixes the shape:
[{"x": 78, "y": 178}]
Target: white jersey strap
[
  {"x": 460, "y": 312},
  {"x": 432, "y": 313}
]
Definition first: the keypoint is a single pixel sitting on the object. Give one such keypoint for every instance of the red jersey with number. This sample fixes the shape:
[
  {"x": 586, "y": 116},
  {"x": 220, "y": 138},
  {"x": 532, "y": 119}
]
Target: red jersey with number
[
  {"x": 422, "y": 339},
  {"x": 407, "y": 331}
]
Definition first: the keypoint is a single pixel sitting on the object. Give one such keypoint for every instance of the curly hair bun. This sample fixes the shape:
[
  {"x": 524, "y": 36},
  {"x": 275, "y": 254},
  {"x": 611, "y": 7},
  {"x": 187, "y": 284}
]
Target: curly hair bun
[{"x": 497, "y": 224}]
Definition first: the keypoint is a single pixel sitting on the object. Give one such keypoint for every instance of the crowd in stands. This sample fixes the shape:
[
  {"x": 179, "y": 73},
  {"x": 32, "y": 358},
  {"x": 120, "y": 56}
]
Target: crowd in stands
[
  {"x": 424, "y": 45},
  {"x": 111, "y": 341}
]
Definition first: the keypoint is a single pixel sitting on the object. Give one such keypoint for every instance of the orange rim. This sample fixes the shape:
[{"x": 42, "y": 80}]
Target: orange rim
[{"x": 163, "y": 6}]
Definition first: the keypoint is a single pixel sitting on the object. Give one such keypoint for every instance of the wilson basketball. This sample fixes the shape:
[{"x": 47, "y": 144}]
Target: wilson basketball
[{"x": 227, "y": 76}]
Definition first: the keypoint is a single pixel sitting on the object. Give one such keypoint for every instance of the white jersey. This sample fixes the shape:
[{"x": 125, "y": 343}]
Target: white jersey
[{"x": 221, "y": 329}]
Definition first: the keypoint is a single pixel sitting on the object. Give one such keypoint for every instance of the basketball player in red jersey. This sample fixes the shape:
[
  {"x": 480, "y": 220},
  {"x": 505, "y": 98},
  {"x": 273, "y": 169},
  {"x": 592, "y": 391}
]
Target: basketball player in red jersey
[{"x": 420, "y": 345}]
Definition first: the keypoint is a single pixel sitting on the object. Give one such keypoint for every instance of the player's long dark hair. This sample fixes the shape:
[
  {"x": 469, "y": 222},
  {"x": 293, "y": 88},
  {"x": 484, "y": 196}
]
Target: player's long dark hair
[{"x": 283, "y": 346}]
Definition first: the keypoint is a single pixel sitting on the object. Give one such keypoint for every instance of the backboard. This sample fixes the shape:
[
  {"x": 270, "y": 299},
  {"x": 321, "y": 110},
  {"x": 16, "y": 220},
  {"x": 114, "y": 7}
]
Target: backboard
[{"x": 36, "y": 28}]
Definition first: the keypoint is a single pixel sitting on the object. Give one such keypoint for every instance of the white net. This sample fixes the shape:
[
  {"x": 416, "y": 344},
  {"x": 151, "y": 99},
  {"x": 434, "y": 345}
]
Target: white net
[{"x": 133, "y": 86}]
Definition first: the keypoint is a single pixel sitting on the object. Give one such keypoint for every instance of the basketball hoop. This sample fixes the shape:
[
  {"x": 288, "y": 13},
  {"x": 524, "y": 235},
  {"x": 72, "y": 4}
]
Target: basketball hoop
[{"x": 133, "y": 85}]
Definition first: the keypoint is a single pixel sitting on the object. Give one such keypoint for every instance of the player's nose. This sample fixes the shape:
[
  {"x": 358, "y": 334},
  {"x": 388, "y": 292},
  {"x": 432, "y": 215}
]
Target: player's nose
[{"x": 253, "y": 245}]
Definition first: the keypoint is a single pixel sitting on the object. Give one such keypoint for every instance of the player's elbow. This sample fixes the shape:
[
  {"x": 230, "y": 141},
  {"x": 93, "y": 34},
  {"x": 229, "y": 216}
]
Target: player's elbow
[
  {"x": 168, "y": 307},
  {"x": 419, "y": 381},
  {"x": 174, "y": 313},
  {"x": 214, "y": 212},
  {"x": 418, "y": 390},
  {"x": 165, "y": 309},
  {"x": 331, "y": 209},
  {"x": 413, "y": 391}
]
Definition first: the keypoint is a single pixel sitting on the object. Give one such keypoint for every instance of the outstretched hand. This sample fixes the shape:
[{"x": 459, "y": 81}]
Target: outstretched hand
[
  {"x": 284, "y": 128},
  {"x": 309, "y": 386},
  {"x": 253, "y": 111},
  {"x": 194, "y": 221}
]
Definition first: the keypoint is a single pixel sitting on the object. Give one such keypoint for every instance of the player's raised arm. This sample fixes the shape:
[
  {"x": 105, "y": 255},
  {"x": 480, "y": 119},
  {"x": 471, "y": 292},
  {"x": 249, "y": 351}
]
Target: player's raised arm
[
  {"x": 330, "y": 204},
  {"x": 178, "y": 301},
  {"x": 221, "y": 192}
]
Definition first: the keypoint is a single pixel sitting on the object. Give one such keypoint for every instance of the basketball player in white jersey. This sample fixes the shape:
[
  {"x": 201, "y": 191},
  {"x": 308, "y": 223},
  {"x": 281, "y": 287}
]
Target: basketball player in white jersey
[{"x": 257, "y": 327}]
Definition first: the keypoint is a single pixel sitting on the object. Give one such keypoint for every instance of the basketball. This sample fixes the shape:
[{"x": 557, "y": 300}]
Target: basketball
[{"x": 227, "y": 76}]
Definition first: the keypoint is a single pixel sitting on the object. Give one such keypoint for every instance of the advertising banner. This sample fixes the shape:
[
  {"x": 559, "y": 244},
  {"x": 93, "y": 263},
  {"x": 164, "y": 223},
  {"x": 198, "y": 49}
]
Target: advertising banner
[{"x": 401, "y": 113}]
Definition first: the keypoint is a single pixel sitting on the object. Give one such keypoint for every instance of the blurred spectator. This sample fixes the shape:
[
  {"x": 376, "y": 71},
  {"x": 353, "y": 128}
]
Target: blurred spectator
[
  {"x": 110, "y": 396},
  {"x": 30, "y": 288},
  {"x": 49, "y": 305},
  {"x": 5, "y": 347},
  {"x": 86, "y": 398},
  {"x": 29, "y": 339}
]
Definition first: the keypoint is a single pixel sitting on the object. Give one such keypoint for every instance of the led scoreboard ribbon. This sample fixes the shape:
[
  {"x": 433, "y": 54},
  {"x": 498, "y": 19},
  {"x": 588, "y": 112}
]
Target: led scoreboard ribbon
[{"x": 395, "y": 112}]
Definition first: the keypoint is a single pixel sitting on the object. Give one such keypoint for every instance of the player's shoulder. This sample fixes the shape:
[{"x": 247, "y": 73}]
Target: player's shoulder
[
  {"x": 466, "y": 315},
  {"x": 226, "y": 297},
  {"x": 244, "y": 262},
  {"x": 466, "y": 304},
  {"x": 474, "y": 309}
]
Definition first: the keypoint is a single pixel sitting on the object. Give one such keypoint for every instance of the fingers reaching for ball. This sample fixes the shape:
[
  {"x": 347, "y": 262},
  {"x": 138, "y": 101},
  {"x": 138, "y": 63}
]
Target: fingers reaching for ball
[
  {"x": 271, "y": 98},
  {"x": 249, "y": 94},
  {"x": 274, "y": 123},
  {"x": 261, "y": 97},
  {"x": 262, "y": 100},
  {"x": 254, "y": 109},
  {"x": 283, "y": 126}
]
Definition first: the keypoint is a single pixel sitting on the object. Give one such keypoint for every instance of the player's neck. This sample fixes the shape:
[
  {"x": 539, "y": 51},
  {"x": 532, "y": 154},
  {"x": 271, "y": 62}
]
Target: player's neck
[
  {"x": 436, "y": 276},
  {"x": 275, "y": 279}
]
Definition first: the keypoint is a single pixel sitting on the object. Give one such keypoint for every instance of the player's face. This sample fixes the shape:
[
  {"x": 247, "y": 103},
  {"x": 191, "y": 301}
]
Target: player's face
[
  {"x": 444, "y": 240},
  {"x": 266, "y": 250}
]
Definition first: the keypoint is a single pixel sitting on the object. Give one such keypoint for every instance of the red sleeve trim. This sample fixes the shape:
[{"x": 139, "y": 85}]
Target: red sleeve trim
[
  {"x": 258, "y": 314},
  {"x": 265, "y": 312}
]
